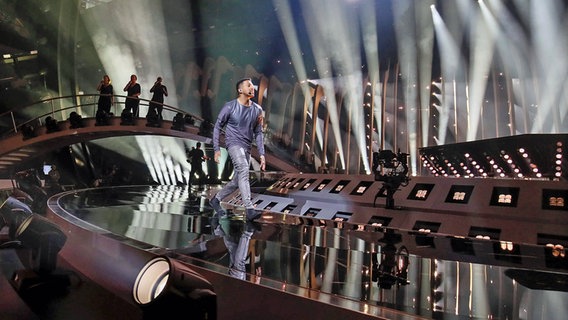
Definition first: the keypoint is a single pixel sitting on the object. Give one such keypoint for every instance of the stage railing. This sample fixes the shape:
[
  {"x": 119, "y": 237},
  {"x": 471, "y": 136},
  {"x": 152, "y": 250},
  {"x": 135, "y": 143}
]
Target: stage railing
[{"x": 60, "y": 108}]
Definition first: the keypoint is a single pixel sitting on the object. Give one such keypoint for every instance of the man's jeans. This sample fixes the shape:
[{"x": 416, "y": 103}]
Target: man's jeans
[
  {"x": 241, "y": 163},
  {"x": 238, "y": 255}
]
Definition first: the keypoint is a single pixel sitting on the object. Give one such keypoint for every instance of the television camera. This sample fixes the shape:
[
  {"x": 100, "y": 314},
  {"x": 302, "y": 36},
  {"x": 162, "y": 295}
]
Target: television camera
[{"x": 392, "y": 169}]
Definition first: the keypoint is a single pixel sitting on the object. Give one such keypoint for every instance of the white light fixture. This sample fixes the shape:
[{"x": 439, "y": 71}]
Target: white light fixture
[{"x": 165, "y": 282}]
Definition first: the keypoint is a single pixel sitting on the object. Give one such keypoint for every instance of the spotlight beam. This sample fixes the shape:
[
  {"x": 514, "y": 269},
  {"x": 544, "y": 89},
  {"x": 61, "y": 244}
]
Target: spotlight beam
[
  {"x": 332, "y": 52},
  {"x": 549, "y": 46},
  {"x": 482, "y": 42},
  {"x": 426, "y": 52},
  {"x": 406, "y": 30},
  {"x": 331, "y": 105},
  {"x": 286, "y": 20},
  {"x": 450, "y": 66},
  {"x": 371, "y": 45}
]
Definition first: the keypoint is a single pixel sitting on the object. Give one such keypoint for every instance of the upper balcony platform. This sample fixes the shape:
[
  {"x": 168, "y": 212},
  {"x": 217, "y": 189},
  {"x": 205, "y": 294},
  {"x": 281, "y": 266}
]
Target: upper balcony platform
[{"x": 25, "y": 134}]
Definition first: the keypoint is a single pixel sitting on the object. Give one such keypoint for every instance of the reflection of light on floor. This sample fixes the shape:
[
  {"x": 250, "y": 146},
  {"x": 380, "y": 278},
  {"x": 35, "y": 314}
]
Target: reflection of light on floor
[{"x": 165, "y": 158}]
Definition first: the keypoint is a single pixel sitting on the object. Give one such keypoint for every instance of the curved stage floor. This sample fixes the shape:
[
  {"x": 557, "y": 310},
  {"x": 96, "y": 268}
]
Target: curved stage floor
[{"x": 420, "y": 274}]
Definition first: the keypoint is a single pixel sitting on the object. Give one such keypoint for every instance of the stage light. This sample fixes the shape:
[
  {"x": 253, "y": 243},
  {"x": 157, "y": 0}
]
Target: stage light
[
  {"x": 11, "y": 204},
  {"x": 189, "y": 120},
  {"x": 29, "y": 182},
  {"x": 75, "y": 120},
  {"x": 206, "y": 128},
  {"x": 556, "y": 250},
  {"x": 153, "y": 121},
  {"x": 44, "y": 240},
  {"x": 51, "y": 125},
  {"x": 178, "y": 123},
  {"x": 28, "y": 131},
  {"x": 167, "y": 284},
  {"x": 506, "y": 245},
  {"x": 12, "y": 213},
  {"x": 126, "y": 118},
  {"x": 103, "y": 118}
]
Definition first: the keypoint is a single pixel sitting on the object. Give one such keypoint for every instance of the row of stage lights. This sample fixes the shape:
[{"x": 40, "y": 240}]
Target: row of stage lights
[
  {"x": 103, "y": 119},
  {"x": 471, "y": 168}
]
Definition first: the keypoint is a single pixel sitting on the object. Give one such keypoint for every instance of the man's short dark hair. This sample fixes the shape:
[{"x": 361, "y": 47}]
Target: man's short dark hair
[{"x": 241, "y": 81}]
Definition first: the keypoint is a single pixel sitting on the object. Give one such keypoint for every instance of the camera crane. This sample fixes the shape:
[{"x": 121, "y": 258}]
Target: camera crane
[{"x": 392, "y": 169}]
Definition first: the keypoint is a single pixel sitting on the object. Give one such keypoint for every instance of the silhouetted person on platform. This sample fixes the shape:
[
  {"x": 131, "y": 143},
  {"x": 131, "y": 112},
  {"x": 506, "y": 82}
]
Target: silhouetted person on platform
[
  {"x": 242, "y": 119},
  {"x": 159, "y": 91},
  {"x": 106, "y": 94},
  {"x": 196, "y": 156},
  {"x": 133, "y": 92},
  {"x": 106, "y": 99}
]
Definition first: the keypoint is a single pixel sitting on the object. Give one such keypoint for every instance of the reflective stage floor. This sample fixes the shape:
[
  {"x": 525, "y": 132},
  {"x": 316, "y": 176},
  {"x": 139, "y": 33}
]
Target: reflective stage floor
[{"x": 419, "y": 273}]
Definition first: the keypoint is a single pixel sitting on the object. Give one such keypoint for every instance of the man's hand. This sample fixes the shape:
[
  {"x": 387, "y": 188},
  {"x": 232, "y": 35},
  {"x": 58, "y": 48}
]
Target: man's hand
[
  {"x": 262, "y": 163},
  {"x": 217, "y": 156}
]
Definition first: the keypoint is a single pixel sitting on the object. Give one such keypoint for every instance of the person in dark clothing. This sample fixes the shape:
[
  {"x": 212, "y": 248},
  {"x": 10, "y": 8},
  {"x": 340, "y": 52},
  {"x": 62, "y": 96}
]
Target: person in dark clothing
[
  {"x": 52, "y": 184},
  {"x": 106, "y": 95},
  {"x": 196, "y": 157},
  {"x": 133, "y": 92},
  {"x": 159, "y": 91}
]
